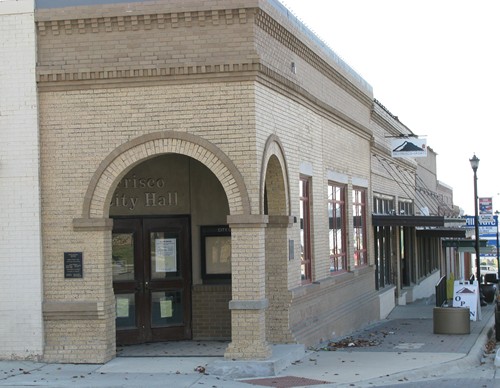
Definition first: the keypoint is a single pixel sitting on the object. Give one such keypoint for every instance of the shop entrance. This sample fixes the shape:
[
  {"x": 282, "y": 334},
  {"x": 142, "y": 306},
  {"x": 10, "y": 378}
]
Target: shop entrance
[{"x": 152, "y": 279}]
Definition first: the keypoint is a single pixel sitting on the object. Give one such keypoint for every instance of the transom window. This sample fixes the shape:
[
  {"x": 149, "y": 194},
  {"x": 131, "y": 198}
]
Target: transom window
[
  {"x": 337, "y": 227},
  {"x": 405, "y": 207},
  {"x": 383, "y": 205}
]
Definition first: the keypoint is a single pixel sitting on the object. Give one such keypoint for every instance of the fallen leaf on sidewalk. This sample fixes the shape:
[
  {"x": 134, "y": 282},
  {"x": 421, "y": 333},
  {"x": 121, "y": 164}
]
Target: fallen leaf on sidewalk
[{"x": 350, "y": 342}]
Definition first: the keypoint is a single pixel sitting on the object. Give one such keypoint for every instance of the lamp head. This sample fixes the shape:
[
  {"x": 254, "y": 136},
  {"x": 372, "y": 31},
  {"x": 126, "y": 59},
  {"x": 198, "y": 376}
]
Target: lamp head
[{"x": 474, "y": 163}]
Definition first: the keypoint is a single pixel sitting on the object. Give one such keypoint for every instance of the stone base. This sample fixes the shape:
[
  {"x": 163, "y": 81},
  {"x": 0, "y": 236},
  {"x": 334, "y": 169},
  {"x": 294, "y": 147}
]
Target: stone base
[
  {"x": 282, "y": 357},
  {"x": 248, "y": 351}
]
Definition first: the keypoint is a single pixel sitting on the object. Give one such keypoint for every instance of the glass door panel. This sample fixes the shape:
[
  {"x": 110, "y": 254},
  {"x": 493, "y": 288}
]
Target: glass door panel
[
  {"x": 164, "y": 257},
  {"x": 166, "y": 308},
  {"x": 169, "y": 268},
  {"x": 125, "y": 311},
  {"x": 123, "y": 256},
  {"x": 127, "y": 280},
  {"x": 151, "y": 262}
]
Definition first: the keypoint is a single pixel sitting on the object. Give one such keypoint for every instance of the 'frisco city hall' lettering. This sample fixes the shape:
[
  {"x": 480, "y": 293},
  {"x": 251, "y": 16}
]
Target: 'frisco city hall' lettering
[
  {"x": 148, "y": 198},
  {"x": 141, "y": 183}
]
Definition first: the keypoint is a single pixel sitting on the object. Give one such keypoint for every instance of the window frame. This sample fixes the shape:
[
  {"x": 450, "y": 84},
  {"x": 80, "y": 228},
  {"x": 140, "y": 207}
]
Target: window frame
[
  {"x": 335, "y": 203},
  {"x": 359, "y": 195},
  {"x": 222, "y": 232},
  {"x": 406, "y": 207},
  {"x": 383, "y": 204},
  {"x": 305, "y": 228}
]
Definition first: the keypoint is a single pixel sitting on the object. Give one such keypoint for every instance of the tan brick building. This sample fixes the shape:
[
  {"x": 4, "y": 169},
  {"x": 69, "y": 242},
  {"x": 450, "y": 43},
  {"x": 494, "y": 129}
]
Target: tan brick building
[{"x": 206, "y": 173}]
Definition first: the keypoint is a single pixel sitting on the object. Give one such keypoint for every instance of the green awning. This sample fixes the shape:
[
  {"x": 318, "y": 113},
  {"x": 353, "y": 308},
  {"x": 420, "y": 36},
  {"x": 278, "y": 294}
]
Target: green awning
[{"x": 468, "y": 245}]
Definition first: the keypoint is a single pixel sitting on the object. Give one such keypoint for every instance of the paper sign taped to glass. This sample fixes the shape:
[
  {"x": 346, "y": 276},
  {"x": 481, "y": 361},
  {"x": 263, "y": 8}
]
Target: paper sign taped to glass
[
  {"x": 166, "y": 255},
  {"x": 122, "y": 307},
  {"x": 166, "y": 309}
]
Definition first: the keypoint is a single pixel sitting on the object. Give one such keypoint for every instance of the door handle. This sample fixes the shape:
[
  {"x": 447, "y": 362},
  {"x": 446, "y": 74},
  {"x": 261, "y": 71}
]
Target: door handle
[{"x": 142, "y": 287}]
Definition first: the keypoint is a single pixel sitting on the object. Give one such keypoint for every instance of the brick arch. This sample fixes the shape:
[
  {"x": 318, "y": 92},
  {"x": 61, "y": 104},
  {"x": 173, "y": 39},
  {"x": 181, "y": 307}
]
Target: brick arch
[
  {"x": 130, "y": 154},
  {"x": 273, "y": 151}
]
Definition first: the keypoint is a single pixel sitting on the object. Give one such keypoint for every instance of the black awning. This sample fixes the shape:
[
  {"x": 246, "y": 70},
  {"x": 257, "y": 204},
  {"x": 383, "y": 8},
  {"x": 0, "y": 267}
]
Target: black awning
[
  {"x": 390, "y": 220},
  {"x": 442, "y": 232}
]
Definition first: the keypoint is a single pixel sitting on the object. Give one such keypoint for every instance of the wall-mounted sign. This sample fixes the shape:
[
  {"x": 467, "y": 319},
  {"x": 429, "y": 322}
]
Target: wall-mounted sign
[
  {"x": 215, "y": 252},
  {"x": 486, "y": 224},
  {"x": 73, "y": 265},
  {"x": 408, "y": 147},
  {"x": 291, "y": 249}
]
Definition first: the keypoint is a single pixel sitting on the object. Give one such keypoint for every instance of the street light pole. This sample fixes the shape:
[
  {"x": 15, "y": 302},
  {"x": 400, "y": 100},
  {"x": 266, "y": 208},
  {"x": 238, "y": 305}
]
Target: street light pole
[{"x": 474, "y": 163}]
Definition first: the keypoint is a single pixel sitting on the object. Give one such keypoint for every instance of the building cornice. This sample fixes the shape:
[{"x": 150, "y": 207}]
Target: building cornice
[
  {"x": 75, "y": 21},
  {"x": 391, "y": 124},
  {"x": 69, "y": 22},
  {"x": 265, "y": 22}
]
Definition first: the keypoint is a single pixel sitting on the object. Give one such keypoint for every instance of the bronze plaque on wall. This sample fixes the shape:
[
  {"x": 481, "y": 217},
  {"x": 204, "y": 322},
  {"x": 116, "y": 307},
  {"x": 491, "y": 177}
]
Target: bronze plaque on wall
[{"x": 73, "y": 265}]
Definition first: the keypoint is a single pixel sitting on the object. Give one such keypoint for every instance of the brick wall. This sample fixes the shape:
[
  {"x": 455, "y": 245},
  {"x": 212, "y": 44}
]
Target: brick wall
[
  {"x": 114, "y": 116},
  {"x": 211, "y": 315},
  {"x": 21, "y": 328},
  {"x": 334, "y": 307},
  {"x": 224, "y": 76}
]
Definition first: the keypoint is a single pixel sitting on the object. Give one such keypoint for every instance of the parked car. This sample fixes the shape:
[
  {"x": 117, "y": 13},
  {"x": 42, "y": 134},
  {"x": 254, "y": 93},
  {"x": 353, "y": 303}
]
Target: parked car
[{"x": 488, "y": 269}]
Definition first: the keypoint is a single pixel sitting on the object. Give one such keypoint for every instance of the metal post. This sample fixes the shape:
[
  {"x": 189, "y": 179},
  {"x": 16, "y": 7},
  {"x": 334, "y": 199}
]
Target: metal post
[{"x": 474, "y": 162}]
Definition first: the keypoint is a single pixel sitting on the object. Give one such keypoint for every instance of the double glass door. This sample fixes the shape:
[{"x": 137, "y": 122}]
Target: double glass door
[{"x": 152, "y": 279}]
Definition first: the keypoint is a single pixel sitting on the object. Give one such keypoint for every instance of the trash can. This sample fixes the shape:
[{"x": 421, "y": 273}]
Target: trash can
[
  {"x": 451, "y": 320},
  {"x": 489, "y": 291}
]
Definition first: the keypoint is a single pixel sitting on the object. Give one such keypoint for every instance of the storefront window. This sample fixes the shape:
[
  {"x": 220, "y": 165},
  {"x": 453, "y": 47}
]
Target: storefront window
[
  {"x": 359, "y": 225},
  {"x": 337, "y": 227}
]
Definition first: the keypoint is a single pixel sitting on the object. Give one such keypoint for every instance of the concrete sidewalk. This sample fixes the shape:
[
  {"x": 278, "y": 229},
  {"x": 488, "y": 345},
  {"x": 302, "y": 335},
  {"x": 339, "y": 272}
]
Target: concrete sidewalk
[{"x": 402, "y": 347}]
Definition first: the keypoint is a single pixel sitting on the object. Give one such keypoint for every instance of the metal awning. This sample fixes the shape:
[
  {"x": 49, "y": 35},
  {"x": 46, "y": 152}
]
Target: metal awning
[
  {"x": 469, "y": 245},
  {"x": 442, "y": 232},
  {"x": 394, "y": 220}
]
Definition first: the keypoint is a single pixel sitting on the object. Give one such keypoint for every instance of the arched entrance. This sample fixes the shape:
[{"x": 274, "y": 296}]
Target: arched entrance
[
  {"x": 275, "y": 203},
  {"x": 113, "y": 168},
  {"x": 159, "y": 209},
  {"x": 160, "y": 190}
]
